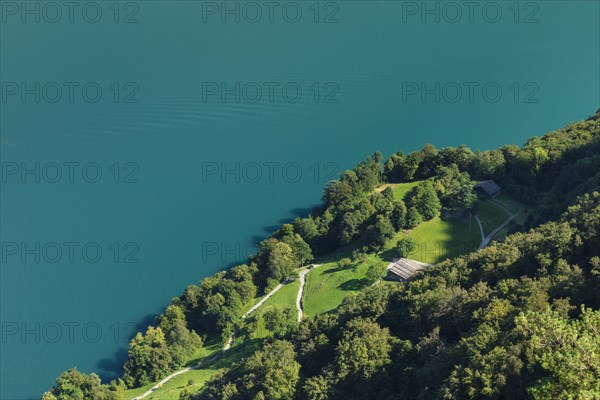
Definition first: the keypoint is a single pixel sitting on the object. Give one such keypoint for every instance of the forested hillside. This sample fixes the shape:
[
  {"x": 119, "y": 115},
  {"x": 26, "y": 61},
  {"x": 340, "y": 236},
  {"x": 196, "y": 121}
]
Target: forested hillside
[{"x": 518, "y": 319}]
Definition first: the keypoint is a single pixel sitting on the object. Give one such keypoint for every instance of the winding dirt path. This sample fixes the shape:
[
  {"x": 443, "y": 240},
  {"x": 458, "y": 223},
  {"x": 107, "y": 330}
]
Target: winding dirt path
[
  {"x": 301, "y": 290},
  {"x": 485, "y": 240},
  {"x": 254, "y": 308},
  {"x": 480, "y": 230},
  {"x": 225, "y": 348},
  {"x": 173, "y": 375},
  {"x": 489, "y": 237}
]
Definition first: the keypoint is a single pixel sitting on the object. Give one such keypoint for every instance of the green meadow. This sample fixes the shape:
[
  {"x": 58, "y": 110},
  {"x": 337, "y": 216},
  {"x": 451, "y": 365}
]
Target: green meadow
[{"x": 328, "y": 285}]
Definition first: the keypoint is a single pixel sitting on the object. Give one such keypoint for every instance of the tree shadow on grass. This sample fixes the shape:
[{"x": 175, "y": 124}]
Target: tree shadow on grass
[
  {"x": 388, "y": 255},
  {"x": 224, "y": 359},
  {"x": 354, "y": 284},
  {"x": 337, "y": 269}
]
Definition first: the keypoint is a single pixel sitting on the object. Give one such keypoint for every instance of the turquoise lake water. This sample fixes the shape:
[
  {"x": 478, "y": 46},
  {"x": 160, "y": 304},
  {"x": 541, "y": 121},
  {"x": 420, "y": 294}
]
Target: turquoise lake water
[{"x": 148, "y": 144}]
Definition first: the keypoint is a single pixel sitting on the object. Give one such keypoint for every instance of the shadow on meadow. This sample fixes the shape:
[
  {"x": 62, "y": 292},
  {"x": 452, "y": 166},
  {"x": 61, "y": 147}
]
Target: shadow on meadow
[{"x": 354, "y": 284}]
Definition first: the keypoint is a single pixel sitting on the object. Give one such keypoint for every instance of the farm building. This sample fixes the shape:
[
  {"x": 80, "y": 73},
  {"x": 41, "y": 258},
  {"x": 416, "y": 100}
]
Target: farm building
[
  {"x": 487, "y": 188},
  {"x": 404, "y": 269}
]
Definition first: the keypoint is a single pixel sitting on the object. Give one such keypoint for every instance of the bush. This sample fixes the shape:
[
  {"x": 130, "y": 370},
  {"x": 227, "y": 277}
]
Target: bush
[
  {"x": 424, "y": 198},
  {"x": 405, "y": 246},
  {"x": 375, "y": 272},
  {"x": 271, "y": 283},
  {"x": 413, "y": 218},
  {"x": 359, "y": 256}
]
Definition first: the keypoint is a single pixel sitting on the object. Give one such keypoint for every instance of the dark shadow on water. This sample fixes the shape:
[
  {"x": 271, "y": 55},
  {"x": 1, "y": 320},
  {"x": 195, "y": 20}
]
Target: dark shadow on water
[
  {"x": 296, "y": 212},
  {"x": 231, "y": 264},
  {"x": 257, "y": 239},
  {"x": 272, "y": 228},
  {"x": 354, "y": 284},
  {"x": 303, "y": 212},
  {"x": 112, "y": 367}
]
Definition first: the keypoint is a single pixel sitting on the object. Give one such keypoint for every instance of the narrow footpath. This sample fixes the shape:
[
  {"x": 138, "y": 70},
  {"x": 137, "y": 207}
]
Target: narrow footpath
[
  {"x": 485, "y": 240},
  {"x": 301, "y": 290},
  {"x": 213, "y": 358}
]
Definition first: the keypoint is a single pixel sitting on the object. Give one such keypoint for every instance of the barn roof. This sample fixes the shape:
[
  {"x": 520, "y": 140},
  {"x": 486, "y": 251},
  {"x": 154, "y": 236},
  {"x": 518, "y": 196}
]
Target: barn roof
[
  {"x": 405, "y": 268},
  {"x": 490, "y": 188}
]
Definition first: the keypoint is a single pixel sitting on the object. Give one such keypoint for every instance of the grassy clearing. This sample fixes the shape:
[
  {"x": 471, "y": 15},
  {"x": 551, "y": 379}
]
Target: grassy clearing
[
  {"x": 327, "y": 285},
  {"x": 172, "y": 389},
  {"x": 490, "y": 214},
  {"x": 132, "y": 393},
  {"x": 438, "y": 239},
  {"x": 399, "y": 189},
  {"x": 284, "y": 298},
  {"x": 207, "y": 351},
  {"x": 504, "y": 199},
  {"x": 250, "y": 304},
  {"x": 510, "y": 203}
]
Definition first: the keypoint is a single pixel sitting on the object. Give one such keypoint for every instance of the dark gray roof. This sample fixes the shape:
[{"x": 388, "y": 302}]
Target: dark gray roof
[
  {"x": 406, "y": 268},
  {"x": 489, "y": 187}
]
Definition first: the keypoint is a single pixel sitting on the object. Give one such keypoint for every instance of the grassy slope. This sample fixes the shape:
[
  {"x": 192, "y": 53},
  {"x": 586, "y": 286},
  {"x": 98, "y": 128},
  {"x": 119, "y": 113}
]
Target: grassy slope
[
  {"x": 490, "y": 214},
  {"x": 327, "y": 285},
  {"x": 172, "y": 389},
  {"x": 399, "y": 189},
  {"x": 284, "y": 298},
  {"x": 438, "y": 239},
  {"x": 510, "y": 204},
  {"x": 207, "y": 351}
]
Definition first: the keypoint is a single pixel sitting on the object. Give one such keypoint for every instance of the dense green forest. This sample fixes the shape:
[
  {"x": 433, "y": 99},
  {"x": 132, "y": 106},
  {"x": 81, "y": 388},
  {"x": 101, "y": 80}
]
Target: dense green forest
[{"x": 518, "y": 319}]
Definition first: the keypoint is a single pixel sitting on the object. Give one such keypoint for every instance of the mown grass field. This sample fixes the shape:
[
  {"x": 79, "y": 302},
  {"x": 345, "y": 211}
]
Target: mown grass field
[
  {"x": 284, "y": 298},
  {"x": 172, "y": 389},
  {"x": 510, "y": 203},
  {"x": 438, "y": 239},
  {"x": 490, "y": 214},
  {"x": 514, "y": 206},
  {"x": 399, "y": 189},
  {"x": 328, "y": 285}
]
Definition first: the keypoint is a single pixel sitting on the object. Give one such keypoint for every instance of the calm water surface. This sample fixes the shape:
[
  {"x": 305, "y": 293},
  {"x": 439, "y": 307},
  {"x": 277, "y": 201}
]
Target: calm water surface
[{"x": 185, "y": 139}]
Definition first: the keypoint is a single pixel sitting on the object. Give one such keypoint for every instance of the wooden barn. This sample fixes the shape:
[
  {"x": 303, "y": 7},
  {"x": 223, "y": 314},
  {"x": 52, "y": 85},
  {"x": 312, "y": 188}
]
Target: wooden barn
[
  {"x": 487, "y": 189},
  {"x": 404, "y": 269}
]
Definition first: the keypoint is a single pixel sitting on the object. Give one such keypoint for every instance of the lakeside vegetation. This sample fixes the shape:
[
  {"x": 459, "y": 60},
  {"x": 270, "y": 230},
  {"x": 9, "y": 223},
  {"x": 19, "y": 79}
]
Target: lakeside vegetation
[{"x": 487, "y": 325}]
